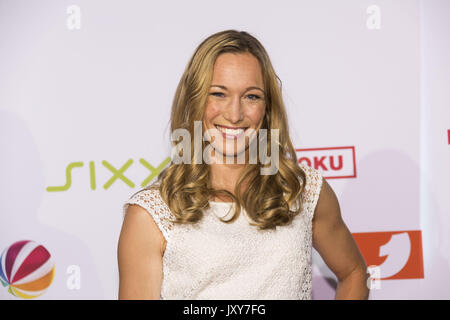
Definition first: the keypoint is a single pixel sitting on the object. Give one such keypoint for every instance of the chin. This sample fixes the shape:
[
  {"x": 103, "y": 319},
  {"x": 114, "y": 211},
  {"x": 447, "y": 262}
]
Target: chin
[{"x": 230, "y": 153}]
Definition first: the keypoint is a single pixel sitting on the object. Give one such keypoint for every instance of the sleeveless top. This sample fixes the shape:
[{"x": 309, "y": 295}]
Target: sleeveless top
[{"x": 214, "y": 260}]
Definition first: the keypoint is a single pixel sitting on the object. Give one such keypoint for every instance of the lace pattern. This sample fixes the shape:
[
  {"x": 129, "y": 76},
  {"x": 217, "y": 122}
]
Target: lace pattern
[
  {"x": 214, "y": 260},
  {"x": 150, "y": 200},
  {"x": 311, "y": 194}
]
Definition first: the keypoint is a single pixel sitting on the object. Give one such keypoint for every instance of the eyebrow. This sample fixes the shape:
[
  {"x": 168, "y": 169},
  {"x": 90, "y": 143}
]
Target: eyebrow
[{"x": 249, "y": 88}]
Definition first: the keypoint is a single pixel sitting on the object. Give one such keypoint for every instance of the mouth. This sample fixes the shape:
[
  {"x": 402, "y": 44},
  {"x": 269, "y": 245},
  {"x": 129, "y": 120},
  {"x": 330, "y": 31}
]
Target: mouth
[{"x": 231, "y": 132}]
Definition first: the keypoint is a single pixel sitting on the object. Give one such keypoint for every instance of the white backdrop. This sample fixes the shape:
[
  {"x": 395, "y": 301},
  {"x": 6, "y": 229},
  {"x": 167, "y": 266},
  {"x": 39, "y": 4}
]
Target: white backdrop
[{"x": 89, "y": 85}]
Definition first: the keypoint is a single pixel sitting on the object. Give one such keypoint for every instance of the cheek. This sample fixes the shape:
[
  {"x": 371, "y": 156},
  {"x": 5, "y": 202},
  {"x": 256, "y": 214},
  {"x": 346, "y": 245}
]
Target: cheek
[
  {"x": 256, "y": 115},
  {"x": 211, "y": 112}
]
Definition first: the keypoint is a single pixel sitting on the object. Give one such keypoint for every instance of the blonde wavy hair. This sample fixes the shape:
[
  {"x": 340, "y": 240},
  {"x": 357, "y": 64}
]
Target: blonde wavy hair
[{"x": 186, "y": 188}]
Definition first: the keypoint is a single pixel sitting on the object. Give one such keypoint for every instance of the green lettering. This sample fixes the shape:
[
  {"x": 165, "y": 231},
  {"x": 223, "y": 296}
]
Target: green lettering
[
  {"x": 118, "y": 174},
  {"x": 92, "y": 174},
  {"x": 68, "y": 177},
  {"x": 154, "y": 171}
]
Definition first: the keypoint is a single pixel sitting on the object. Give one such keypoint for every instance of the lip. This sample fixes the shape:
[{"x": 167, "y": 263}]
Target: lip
[
  {"x": 228, "y": 127},
  {"x": 230, "y": 136}
]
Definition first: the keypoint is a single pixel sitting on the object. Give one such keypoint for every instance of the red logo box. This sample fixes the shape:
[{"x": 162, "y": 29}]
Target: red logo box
[
  {"x": 333, "y": 162},
  {"x": 398, "y": 254}
]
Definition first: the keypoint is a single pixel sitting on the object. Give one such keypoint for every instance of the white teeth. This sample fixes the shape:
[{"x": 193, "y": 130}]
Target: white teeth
[{"x": 233, "y": 132}]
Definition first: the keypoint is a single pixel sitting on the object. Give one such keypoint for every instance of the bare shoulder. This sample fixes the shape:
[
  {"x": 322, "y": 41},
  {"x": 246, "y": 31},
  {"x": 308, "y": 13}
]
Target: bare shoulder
[
  {"x": 139, "y": 255},
  {"x": 138, "y": 225},
  {"x": 327, "y": 207}
]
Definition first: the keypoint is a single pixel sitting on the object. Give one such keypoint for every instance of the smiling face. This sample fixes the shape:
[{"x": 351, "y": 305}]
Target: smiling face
[{"x": 235, "y": 102}]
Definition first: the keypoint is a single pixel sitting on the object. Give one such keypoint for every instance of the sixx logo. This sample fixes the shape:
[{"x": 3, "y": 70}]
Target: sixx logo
[
  {"x": 395, "y": 254},
  {"x": 448, "y": 136},
  {"x": 334, "y": 162},
  {"x": 118, "y": 174}
]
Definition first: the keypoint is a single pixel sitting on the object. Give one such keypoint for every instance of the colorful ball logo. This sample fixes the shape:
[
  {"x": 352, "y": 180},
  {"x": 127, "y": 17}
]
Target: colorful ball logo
[{"x": 27, "y": 269}]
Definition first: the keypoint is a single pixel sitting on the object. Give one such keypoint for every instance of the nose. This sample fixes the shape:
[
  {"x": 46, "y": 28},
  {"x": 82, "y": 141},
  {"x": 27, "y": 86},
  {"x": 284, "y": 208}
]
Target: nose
[{"x": 234, "y": 111}]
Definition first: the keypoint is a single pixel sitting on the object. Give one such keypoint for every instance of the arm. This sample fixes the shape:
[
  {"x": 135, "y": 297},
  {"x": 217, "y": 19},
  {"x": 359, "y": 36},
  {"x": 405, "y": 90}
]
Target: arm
[
  {"x": 335, "y": 244},
  {"x": 139, "y": 254}
]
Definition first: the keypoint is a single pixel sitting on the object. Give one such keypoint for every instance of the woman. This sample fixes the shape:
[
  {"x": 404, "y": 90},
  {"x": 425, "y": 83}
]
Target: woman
[{"x": 175, "y": 242}]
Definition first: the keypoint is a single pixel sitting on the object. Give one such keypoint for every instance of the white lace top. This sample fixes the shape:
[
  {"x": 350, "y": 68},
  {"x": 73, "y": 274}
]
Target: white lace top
[{"x": 214, "y": 260}]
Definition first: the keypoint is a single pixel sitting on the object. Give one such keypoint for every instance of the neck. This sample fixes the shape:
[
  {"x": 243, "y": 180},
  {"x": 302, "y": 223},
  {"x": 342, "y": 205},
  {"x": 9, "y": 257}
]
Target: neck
[{"x": 225, "y": 176}]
